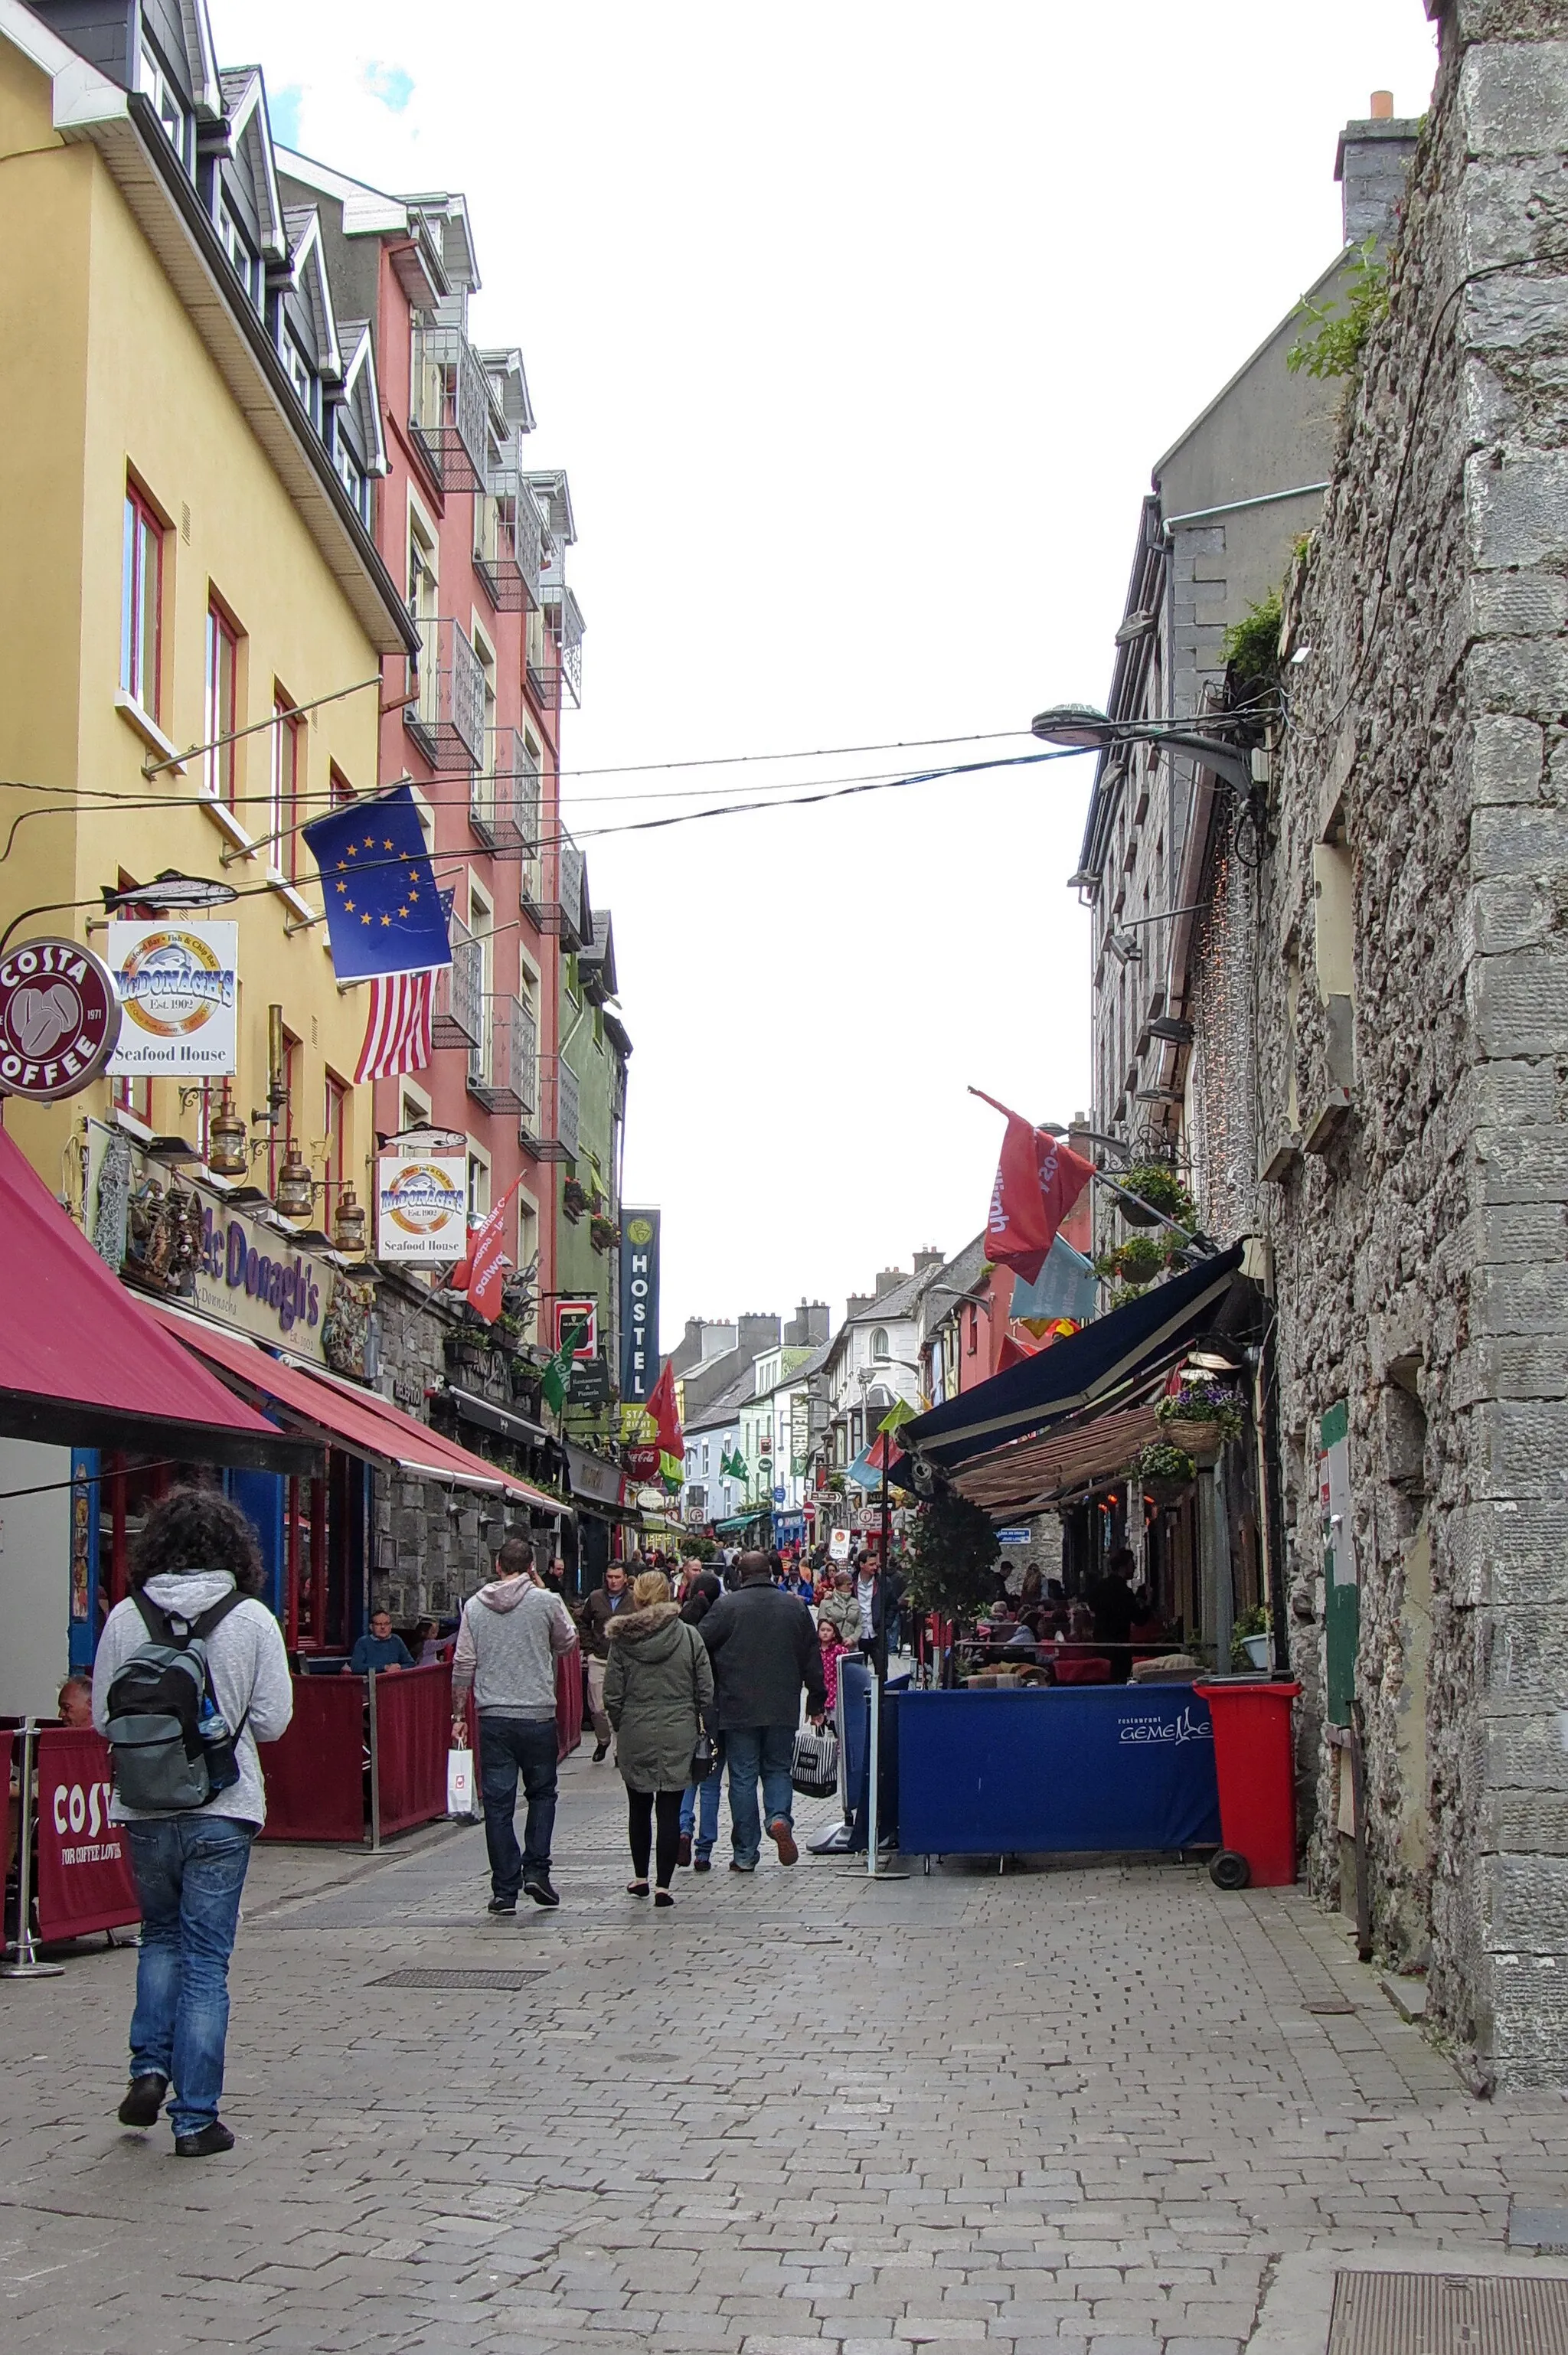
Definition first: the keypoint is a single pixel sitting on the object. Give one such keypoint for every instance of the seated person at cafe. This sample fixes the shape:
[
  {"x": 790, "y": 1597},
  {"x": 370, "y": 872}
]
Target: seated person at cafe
[
  {"x": 1147, "y": 1627},
  {"x": 379, "y": 1650},
  {"x": 75, "y": 1701}
]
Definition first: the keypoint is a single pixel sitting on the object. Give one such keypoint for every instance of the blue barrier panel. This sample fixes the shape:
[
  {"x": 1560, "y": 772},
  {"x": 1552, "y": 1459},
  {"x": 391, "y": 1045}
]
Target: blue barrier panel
[
  {"x": 1081, "y": 1767},
  {"x": 855, "y": 1682}
]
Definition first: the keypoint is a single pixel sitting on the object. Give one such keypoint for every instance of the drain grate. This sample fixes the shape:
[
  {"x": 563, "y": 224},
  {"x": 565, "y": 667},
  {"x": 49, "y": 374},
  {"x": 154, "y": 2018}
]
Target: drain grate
[
  {"x": 1448, "y": 2313},
  {"x": 502, "y": 1982},
  {"x": 1333, "y": 2006}
]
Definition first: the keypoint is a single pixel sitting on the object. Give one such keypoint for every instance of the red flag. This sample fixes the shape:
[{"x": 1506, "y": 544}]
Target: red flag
[
  {"x": 1039, "y": 1178},
  {"x": 667, "y": 1414},
  {"x": 487, "y": 1260},
  {"x": 1013, "y": 1353}
]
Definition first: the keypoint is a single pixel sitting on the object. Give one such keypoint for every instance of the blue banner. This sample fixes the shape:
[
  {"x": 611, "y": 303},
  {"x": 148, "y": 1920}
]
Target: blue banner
[
  {"x": 639, "y": 1306},
  {"x": 1081, "y": 1767}
]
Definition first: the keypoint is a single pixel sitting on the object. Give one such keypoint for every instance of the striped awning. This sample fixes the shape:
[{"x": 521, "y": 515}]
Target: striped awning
[
  {"x": 1037, "y": 1472},
  {"x": 1100, "y": 1365}
]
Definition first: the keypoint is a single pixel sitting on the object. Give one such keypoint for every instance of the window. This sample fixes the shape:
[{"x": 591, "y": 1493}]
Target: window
[
  {"x": 338, "y": 788},
  {"x": 142, "y": 605},
  {"x": 301, "y": 376},
  {"x": 335, "y": 1121},
  {"x": 135, "y": 1096},
  {"x": 223, "y": 703},
  {"x": 167, "y": 100},
  {"x": 423, "y": 574},
  {"x": 478, "y": 1186},
  {"x": 880, "y": 1350},
  {"x": 351, "y": 472},
  {"x": 247, "y": 265},
  {"x": 288, "y": 743}
]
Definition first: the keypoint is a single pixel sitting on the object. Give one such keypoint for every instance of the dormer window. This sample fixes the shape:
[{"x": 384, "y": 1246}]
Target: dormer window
[
  {"x": 301, "y": 376},
  {"x": 247, "y": 265},
  {"x": 352, "y": 477},
  {"x": 167, "y": 100}
]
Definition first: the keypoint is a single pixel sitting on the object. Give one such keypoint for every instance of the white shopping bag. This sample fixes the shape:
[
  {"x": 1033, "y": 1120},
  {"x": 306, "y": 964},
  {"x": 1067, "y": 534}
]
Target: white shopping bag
[{"x": 460, "y": 1797}]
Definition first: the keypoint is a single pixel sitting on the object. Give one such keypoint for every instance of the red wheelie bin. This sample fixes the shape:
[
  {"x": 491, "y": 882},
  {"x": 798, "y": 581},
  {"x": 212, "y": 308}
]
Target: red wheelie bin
[{"x": 1255, "y": 1767}]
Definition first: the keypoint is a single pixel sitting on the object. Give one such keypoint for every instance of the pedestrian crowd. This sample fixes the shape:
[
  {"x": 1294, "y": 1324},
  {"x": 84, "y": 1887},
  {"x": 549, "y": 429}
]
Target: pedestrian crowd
[{"x": 690, "y": 1676}]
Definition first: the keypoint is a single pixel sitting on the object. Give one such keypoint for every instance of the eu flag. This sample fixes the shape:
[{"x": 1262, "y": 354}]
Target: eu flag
[{"x": 383, "y": 911}]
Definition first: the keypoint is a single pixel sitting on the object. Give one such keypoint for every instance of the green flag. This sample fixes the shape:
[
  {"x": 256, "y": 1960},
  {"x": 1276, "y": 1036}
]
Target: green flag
[{"x": 557, "y": 1375}]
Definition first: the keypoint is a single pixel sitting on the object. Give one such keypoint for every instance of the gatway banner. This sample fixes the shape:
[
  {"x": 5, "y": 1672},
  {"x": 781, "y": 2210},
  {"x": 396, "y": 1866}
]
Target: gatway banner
[{"x": 84, "y": 1864}]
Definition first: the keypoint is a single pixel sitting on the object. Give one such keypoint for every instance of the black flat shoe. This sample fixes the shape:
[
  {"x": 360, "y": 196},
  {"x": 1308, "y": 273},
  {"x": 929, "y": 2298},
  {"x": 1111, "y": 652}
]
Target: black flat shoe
[
  {"x": 663, "y": 1897},
  {"x": 143, "y": 2100},
  {"x": 636, "y": 1888},
  {"x": 205, "y": 2144}
]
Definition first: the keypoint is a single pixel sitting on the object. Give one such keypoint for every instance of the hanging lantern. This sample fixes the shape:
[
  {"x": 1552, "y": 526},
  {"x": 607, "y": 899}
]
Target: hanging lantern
[
  {"x": 226, "y": 1153},
  {"x": 348, "y": 1226},
  {"x": 295, "y": 1191}
]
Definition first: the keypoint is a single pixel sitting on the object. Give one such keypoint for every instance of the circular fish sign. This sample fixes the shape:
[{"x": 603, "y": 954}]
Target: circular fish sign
[{"x": 59, "y": 1020}]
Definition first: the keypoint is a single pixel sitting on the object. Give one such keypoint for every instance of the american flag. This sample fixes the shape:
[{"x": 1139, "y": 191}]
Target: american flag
[{"x": 397, "y": 1037}]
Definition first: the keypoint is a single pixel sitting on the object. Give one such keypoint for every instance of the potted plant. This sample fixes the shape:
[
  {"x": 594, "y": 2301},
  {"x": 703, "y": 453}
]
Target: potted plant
[
  {"x": 1156, "y": 1185},
  {"x": 1201, "y": 1416},
  {"x": 1136, "y": 1259},
  {"x": 603, "y": 1233},
  {"x": 953, "y": 1560},
  {"x": 1251, "y": 1644},
  {"x": 1166, "y": 1472},
  {"x": 574, "y": 1200}
]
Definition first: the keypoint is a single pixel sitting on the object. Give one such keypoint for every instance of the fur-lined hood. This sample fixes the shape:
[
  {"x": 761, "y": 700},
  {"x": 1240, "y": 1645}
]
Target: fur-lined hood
[{"x": 645, "y": 1628}]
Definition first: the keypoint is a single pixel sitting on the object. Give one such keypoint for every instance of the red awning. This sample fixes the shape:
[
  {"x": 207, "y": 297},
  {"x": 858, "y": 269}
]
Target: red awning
[
  {"x": 84, "y": 1363},
  {"x": 348, "y": 1417}
]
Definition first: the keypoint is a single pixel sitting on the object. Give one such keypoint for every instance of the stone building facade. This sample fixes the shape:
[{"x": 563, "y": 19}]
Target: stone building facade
[{"x": 1412, "y": 1072}]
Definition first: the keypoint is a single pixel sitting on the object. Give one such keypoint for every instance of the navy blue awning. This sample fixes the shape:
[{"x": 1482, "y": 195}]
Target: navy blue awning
[{"x": 1073, "y": 1374}]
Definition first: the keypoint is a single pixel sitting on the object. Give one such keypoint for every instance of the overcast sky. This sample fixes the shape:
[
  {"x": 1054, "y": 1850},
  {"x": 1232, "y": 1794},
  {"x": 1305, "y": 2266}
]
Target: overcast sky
[{"x": 859, "y": 327}]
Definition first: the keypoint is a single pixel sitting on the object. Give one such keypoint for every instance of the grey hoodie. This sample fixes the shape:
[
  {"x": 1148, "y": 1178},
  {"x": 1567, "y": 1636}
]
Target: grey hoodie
[
  {"x": 512, "y": 1631},
  {"x": 250, "y": 1674}
]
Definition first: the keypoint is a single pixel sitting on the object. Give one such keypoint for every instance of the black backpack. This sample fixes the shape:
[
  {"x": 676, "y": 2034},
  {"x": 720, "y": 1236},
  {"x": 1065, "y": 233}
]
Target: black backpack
[{"x": 172, "y": 1752}]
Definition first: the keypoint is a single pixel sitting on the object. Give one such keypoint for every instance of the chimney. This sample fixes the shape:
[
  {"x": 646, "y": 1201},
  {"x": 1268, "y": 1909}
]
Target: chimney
[
  {"x": 807, "y": 1328},
  {"x": 856, "y": 1303},
  {"x": 757, "y": 1334},
  {"x": 1372, "y": 166},
  {"x": 889, "y": 1280},
  {"x": 925, "y": 1261}
]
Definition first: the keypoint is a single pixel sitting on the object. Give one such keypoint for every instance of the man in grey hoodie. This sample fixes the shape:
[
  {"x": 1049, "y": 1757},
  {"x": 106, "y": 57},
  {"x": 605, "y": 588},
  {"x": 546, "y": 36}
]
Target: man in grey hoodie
[
  {"x": 512, "y": 1633},
  {"x": 195, "y": 1550}
]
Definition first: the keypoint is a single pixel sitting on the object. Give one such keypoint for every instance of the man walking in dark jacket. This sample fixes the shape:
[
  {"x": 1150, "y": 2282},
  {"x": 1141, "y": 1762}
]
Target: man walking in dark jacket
[{"x": 764, "y": 1650}]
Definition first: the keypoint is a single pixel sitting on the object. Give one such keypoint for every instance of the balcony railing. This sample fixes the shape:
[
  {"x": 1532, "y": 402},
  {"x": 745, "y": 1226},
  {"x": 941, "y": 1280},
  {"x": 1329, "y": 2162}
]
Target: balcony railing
[
  {"x": 548, "y": 1127},
  {"x": 450, "y": 713},
  {"x": 502, "y": 1067},
  {"x": 494, "y": 789},
  {"x": 449, "y": 407},
  {"x": 571, "y": 869},
  {"x": 457, "y": 1015},
  {"x": 566, "y": 626}
]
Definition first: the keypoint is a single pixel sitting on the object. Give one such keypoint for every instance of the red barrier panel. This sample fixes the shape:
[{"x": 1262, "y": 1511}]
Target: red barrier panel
[
  {"x": 413, "y": 1732},
  {"x": 315, "y": 1774},
  {"x": 567, "y": 1703},
  {"x": 84, "y": 1866}
]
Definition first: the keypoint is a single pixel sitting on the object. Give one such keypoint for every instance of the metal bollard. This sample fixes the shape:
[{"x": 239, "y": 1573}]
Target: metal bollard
[{"x": 27, "y": 1965}]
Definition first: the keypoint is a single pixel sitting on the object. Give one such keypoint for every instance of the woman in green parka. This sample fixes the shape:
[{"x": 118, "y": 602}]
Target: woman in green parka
[{"x": 658, "y": 1695}]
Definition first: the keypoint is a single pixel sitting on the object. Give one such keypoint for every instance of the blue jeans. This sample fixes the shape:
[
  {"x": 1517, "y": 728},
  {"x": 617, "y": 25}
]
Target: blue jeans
[
  {"x": 705, "y": 1817},
  {"x": 750, "y": 1751},
  {"x": 189, "y": 1871},
  {"x": 507, "y": 1746}
]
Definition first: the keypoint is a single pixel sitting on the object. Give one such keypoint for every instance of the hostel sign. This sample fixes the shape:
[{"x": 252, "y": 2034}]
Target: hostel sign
[{"x": 639, "y": 1306}]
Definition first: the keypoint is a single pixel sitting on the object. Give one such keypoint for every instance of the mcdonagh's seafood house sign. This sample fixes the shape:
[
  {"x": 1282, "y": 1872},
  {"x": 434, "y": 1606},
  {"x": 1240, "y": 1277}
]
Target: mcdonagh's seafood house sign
[{"x": 183, "y": 1239}]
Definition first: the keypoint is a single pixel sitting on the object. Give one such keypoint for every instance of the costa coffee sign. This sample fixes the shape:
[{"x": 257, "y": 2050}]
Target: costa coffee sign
[{"x": 59, "y": 1020}]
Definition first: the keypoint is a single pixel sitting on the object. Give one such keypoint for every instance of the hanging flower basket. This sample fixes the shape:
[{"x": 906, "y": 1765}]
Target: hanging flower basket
[
  {"x": 603, "y": 1233},
  {"x": 1157, "y": 1185},
  {"x": 1201, "y": 1417},
  {"x": 1166, "y": 1471}
]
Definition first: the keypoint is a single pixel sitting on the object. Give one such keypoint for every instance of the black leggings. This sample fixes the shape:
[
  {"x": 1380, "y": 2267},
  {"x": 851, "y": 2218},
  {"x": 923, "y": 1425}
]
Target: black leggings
[{"x": 640, "y": 1806}]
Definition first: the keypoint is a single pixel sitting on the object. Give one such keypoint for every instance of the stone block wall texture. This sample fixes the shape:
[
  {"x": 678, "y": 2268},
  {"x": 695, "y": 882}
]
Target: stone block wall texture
[{"x": 1422, "y": 1260}]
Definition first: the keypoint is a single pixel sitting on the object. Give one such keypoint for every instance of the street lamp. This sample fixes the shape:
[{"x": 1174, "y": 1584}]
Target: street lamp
[
  {"x": 1080, "y": 727},
  {"x": 167, "y": 890}
]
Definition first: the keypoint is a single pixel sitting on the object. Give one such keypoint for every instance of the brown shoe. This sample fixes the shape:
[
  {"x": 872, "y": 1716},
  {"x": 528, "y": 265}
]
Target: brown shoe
[{"x": 783, "y": 1839}]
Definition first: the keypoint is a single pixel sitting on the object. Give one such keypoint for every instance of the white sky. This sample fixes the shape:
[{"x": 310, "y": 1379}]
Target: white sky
[{"x": 857, "y": 325}]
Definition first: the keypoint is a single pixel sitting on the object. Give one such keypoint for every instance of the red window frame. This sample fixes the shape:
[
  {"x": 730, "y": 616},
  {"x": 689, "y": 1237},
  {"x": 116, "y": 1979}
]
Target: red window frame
[
  {"x": 335, "y": 1112},
  {"x": 287, "y": 750},
  {"x": 222, "y": 702},
  {"x": 143, "y": 552}
]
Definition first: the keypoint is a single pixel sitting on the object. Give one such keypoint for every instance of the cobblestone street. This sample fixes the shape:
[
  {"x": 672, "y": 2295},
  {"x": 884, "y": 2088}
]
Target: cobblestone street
[{"x": 1064, "y": 2107}]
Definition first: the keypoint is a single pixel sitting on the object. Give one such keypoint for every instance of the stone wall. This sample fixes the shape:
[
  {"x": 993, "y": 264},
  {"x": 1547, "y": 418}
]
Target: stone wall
[
  {"x": 1415, "y": 897},
  {"x": 432, "y": 1546}
]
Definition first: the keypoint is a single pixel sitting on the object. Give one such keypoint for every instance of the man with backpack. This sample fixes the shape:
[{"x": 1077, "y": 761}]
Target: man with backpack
[{"x": 191, "y": 1674}]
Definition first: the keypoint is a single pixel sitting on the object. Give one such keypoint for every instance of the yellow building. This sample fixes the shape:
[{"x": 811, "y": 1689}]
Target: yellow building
[{"x": 191, "y": 438}]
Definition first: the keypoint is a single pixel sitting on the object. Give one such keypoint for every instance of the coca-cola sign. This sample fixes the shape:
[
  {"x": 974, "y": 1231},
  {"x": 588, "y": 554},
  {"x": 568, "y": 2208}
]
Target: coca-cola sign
[{"x": 59, "y": 1018}]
